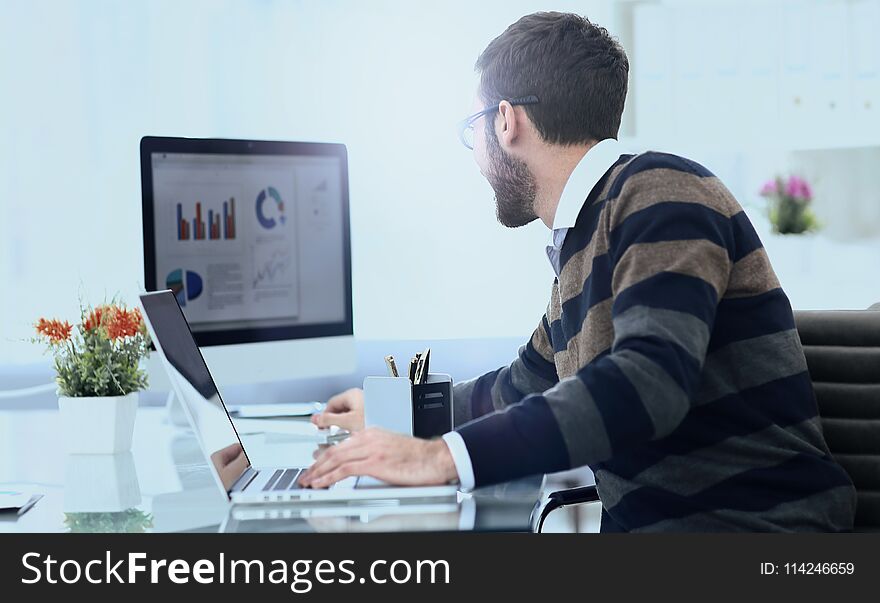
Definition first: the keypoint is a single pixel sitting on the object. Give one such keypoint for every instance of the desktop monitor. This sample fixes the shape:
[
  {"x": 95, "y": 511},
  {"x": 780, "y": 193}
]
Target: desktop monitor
[{"x": 253, "y": 238}]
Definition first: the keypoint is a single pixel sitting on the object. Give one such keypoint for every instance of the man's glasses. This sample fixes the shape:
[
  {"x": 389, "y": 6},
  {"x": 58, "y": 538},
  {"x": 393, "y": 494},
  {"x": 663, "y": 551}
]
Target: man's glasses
[{"x": 466, "y": 127}]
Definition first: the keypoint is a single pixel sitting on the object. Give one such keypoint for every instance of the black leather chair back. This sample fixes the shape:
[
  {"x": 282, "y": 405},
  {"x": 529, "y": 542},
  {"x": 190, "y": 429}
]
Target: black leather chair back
[{"x": 843, "y": 355}]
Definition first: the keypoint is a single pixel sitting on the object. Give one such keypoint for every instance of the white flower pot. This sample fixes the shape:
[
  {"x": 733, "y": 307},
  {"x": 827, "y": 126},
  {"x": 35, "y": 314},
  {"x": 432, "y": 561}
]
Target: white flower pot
[{"x": 98, "y": 425}]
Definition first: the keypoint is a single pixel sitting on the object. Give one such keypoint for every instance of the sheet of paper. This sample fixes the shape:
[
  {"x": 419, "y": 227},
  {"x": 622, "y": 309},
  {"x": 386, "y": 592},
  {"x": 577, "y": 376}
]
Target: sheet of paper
[
  {"x": 264, "y": 411},
  {"x": 297, "y": 429},
  {"x": 13, "y": 499}
]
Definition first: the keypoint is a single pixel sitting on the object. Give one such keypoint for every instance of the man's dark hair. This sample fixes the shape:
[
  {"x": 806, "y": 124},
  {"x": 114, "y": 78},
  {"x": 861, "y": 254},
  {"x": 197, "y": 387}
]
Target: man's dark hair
[{"x": 576, "y": 69}]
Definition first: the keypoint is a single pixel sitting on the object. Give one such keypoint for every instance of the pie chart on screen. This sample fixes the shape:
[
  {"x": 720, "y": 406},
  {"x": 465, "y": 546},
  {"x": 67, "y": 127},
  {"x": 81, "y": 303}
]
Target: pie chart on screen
[{"x": 185, "y": 284}]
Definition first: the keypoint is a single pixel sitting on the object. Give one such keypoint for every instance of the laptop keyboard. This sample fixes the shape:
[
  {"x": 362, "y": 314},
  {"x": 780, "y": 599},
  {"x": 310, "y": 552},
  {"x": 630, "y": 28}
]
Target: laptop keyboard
[{"x": 283, "y": 479}]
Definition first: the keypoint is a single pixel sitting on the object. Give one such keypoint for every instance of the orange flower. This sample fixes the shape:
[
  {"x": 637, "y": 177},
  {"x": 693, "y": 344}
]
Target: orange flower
[
  {"x": 124, "y": 323},
  {"x": 54, "y": 329},
  {"x": 93, "y": 320}
]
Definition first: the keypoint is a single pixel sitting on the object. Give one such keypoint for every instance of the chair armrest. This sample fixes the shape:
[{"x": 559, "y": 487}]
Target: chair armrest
[
  {"x": 562, "y": 498},
  {"x": 575, "y": 496}
]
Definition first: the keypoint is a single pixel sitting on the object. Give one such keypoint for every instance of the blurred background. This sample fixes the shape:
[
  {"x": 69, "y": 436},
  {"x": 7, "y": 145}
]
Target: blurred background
[{"x": 751, "y": 90}]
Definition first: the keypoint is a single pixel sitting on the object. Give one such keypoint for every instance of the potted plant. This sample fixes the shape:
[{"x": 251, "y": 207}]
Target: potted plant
[
  {"x": 789, "y": 205},
  {"x": 97, "y": 365}
]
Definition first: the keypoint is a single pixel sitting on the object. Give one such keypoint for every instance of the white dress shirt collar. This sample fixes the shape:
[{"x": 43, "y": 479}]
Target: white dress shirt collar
[{"x": 583, "y": 178}]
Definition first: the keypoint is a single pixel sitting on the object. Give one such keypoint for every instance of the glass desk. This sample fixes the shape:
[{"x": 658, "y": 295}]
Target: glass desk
[{"x": 163, "y": 485}]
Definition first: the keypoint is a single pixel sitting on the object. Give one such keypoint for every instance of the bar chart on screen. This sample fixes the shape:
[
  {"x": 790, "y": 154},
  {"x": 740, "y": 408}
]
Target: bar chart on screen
[{"x": 208, "y": 222}]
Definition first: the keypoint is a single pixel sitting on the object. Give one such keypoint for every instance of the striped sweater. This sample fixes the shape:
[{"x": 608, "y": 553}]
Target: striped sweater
[{"x": 667, "y": 361}]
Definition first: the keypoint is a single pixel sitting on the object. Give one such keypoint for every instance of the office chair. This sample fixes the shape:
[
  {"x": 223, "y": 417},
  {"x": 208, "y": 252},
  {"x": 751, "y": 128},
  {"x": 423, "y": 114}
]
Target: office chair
[{"x": 842, "y": 348}]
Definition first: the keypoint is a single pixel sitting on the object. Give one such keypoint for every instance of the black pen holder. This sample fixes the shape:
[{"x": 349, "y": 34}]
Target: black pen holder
[{"x": 432, "y": 407}]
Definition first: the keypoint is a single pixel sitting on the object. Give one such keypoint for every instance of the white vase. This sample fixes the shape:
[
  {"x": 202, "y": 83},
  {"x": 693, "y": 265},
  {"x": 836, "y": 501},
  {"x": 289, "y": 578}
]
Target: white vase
[{"x": 102, "y": 425}]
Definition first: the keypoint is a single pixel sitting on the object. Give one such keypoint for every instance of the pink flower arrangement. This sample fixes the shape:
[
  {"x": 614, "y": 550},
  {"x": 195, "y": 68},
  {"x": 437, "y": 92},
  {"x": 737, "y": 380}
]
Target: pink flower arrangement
[
  {"x": 798, "y": 188},
  {"x": 795, "y": 187},
  {"x": 788, "y": 201},
  {"x": 771, "y": 187}
]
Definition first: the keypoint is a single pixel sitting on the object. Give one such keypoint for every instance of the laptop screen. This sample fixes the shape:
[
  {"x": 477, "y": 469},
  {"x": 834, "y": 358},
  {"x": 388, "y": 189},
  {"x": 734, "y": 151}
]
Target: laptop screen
[{"x": 195, "y": 387}]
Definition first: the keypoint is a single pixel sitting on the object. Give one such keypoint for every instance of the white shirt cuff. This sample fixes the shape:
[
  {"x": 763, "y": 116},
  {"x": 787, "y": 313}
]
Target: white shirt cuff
[{"x": 462, "y": 460}]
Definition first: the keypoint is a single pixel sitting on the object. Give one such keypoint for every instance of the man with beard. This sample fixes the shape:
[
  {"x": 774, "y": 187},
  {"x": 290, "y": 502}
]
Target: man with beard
[{"x": 667, "y": 359}]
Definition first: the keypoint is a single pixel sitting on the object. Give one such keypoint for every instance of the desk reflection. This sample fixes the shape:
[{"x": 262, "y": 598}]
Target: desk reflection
[
  {"x": 100, "y": 483},
  {"x": 102, "y": 493},
  {"x": 374, "y": 516}
]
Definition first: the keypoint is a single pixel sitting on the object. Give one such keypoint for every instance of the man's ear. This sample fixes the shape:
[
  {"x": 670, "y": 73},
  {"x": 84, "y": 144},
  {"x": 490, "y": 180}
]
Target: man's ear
[{"x": 509, "y": 125}]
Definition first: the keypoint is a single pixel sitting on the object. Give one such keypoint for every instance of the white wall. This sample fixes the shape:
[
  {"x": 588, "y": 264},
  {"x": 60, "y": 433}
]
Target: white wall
[{"x": 83, "y": 81}]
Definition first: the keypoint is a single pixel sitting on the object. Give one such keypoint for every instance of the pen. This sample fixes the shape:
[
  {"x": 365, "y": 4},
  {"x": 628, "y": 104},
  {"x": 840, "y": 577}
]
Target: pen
[
  {"x": 30, "y": 503},
  {"x": 392, "y": 367},
  {"x": 426, "y": 357},
  {"x": 338, "y": 436},
  {"x": 422, "y": 367},
  {"x": 412, "y": 369}
]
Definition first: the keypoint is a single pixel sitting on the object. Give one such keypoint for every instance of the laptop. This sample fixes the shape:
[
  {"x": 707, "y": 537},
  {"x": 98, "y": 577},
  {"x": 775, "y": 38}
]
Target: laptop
[{"x": 209, "y": 418}]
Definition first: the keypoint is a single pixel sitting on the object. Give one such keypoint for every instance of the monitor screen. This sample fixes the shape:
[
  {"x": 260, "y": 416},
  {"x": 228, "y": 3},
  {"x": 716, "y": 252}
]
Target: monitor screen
[{"x": 252, "y": 237}]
